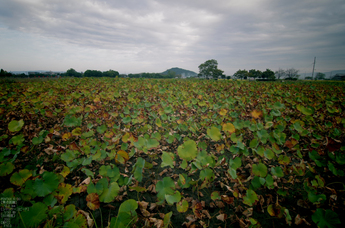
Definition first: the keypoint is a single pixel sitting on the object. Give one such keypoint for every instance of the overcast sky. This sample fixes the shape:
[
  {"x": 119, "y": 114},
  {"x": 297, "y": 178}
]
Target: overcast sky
[{"x": 133, "y": 36}]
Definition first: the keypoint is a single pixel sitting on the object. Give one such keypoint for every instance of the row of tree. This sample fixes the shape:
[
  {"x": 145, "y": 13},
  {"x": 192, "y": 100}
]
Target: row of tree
[
  {"x": 209, "y": 69},
  {"x": 111, "y": 73}
]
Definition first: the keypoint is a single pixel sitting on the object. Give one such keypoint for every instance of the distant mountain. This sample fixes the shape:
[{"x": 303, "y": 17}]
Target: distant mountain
[
  {"x": 328, "y": 74},
  {"x": 39, "y": 71},
  {"x": 180, "y": 71}
]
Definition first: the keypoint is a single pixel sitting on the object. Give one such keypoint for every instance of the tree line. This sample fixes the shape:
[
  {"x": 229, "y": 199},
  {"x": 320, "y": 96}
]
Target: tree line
[
  {"x": 91, "y": 73},
  {"x": 209, "y": 69}
]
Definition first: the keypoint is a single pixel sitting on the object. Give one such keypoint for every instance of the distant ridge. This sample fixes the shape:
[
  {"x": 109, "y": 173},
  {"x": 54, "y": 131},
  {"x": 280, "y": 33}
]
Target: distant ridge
[
  {"x": 180, "y": 71},
  {"x": 328, "y": 74}
]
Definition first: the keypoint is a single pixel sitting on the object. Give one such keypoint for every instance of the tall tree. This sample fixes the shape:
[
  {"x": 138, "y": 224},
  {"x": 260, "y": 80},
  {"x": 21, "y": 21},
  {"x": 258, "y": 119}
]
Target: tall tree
[
  {"x": 292, "y": 73},
  {"x": 320, "y": 76},
  {"x": 110, "y": 73},
  {"x": 280, "y": 73},
  {"x": 268, "y": 74},
  {"x": 73, "y": 73},
  {"x": 254, "y": 73},
  {"x": 210, "y": 69},
  {"x": 241, "y": 74}
]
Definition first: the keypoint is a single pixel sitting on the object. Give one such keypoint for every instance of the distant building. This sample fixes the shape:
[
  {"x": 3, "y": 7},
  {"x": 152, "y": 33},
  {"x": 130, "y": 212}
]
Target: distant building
[
  {"x": 32, "y": 73},
  {"x": 339, "y": 77}
]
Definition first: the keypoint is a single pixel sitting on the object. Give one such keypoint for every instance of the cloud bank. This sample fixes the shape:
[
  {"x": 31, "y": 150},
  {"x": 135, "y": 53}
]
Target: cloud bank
[{"x": 147, "y": 35}]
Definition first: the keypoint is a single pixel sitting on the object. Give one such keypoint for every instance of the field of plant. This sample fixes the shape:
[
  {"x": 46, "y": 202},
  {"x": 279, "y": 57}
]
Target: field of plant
[{"x": 171, "y": 153}]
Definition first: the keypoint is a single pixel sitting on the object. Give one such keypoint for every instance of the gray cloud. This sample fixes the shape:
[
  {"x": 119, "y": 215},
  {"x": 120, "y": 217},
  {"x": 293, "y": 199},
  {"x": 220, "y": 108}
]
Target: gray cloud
[{"x": 239, "y": 34}]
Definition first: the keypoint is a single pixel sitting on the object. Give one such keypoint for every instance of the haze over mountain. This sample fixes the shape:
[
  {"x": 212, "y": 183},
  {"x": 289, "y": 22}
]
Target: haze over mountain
[{"x": 182, "y": 72}]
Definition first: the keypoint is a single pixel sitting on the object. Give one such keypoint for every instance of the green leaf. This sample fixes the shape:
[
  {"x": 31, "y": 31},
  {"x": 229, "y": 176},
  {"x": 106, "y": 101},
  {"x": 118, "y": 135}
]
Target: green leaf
[
  {"x": 232, "y": 172},
  {"x": 138, "y": 169},
  {"x": 17, "y": 140},
  {"x": 174, "y": 198},
  {"x": 278, "y": 105},
  {"x": 215, "y": 196},
  {"x": 101, "y": 129},
  {"x": 35, "y": 215},
  {"x": 306, "y": 110},
  {"x": 6, "y": 168},
  {"x": 207, "y": 174},
  {"x": 152, "y": 143},
  {"x": 37, "y": 140},
  {"x": 326, "y": 218},
  {"x": 269, "y": 181},
  {"x": 254, "y": 143},
  {"x": 277, "y": 171},
  {"x": 256, "y": 182},
  {"x": 126, "y": 120},
  {"x": 165, "y": 187},
  {"x": 259, "y": 170},
  {"x": 166, "y": 220},
  {"x": 168, "y": 109},
  {"x": 47, "y": 184},
  {"x": 187, "y": 150},
  {"x": 109, "y": 192},
  {"x": 298, "y": 127},
  {"x": 72, "y": 121},
  {"x": 250, "y": 197},
  {"x": 126, "y": 214},
  {"x": 98, "y": 188},
  {"x": 269, "y": 154},
  {"x": 314, "y": 198},
  {"x": 88, "y": 134},
  {"x": 214, "y": 133},
  {"x": 168, "y": 159},
  {"x": 15, "y": 125},
  {"x": 235, "y": 163}
]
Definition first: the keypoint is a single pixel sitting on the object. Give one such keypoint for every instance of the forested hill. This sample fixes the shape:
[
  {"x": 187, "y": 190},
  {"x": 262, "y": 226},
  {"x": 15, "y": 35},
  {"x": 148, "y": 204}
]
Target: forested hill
[{"x": 180, "y": 71}]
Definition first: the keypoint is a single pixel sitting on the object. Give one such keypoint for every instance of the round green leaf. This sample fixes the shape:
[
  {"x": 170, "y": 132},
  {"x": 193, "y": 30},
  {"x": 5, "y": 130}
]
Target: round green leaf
[
  {"x": 278, "y": 105},
  {"x": 214, "y": 133},
  {"x": 187, "y": 150},
  {"x": 171, "y": 199},
  {"x": 109, "y": 193},
  {"x": 259, "y": 170},
  {"x": 250, "y": 197},
  {"x": 168, "y": 159},
  {"x": 326, "y": 218},
  {"x": 215, "y": 195},
  {"x": 47, "y": 184},
  {"x": 6, "y": 168},
  {"x": 165, "y": 187},
  {"x": 35, "y": 215},
  {"x": 277, "y": 171},
  {"x": 269, "y": 154},
  {"x": 15, "y": 125}
]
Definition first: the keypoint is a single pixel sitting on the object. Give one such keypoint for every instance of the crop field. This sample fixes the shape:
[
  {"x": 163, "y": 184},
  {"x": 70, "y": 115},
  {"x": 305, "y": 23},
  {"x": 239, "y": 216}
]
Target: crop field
[{"x": 115, "y": 152}]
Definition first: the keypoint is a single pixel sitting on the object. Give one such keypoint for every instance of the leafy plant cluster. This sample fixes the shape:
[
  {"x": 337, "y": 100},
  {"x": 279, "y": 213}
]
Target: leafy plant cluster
[{"x": 123, "y": 153}]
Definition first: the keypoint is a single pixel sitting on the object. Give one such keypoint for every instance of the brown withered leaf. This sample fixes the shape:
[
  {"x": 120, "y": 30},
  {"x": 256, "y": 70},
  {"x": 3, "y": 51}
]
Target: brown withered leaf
[
  {"x": 333, "y": 145},
  {"x": 222, "y": 217},
  {"x": 197, "y": 210},
  {"x": 93, "y": 201},
  {"x": 227, "y": 199}
]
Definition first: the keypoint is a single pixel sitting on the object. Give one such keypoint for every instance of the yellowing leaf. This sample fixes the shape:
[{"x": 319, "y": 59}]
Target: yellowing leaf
[
  {"x": 223, "y": 112},
  {"x": 256, "y": 114},
  {"x": 229, "y": 127},
  {"x": 214, "y": 133},
  {"x": 66, "y": 136},
  {"x": 121, "y": 157}
]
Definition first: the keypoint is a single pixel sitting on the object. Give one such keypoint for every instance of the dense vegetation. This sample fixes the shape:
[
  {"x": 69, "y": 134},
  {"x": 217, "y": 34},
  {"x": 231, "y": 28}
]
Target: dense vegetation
[{"x": 180, "y": 152}]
